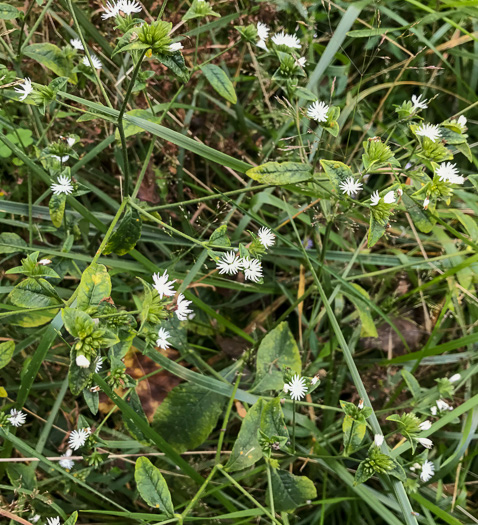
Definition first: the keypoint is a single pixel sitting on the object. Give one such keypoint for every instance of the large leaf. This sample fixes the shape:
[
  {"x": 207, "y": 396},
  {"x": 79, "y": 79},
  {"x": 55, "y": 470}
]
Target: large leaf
[
  {"x": 176, "y": 64},
  {"x": 57, "y": 209},
  {"x": 52, "y": 57},
  {"x": 421, "y": 219},
  {"x": 219, "y": 80},
  {"x": 188, "y": 415},
  {"x": 272, "y": 419},
  {"x": 277, "y": 351},
  {"x": 95, "y": 286},
  {"x": 8, "y": 12},
  {"x": 124, "y": 239},
  {"x": 246, "y": 450},
  {"x": 152, "y": 486},
  {"x": 279, "y": 173},
  {"x": 33, "y": 293},
  {"x": 6, "y": 352},
  {"x": 22, "y": 476},
  {"x": 337, "y": 172},
  {"x": 290, "y": 491},
  {"x": 11, "y": 243}
]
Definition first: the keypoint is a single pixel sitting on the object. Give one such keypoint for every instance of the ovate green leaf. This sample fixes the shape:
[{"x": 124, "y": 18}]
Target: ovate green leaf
[
  {"x": 272, "y": 419},
  {"x": 152, "y": 486},
  {"x": 52, "y": 57},
  {"x": 279, "y": 173},
  {"x": 11, "y": 243},
  {"x": 95, "y": 286},
  {"x": 57, "y": 208},
  {"x": 291, "y": 491},
  {"x": 8, "y": 12},
  {"x": 220, "y": 82},
  {"x": 6, "y": 352},
  {"x": 337, "y": 172},
  {"x": 124, "y": 239},
  {"x": 33, "y": 293}
]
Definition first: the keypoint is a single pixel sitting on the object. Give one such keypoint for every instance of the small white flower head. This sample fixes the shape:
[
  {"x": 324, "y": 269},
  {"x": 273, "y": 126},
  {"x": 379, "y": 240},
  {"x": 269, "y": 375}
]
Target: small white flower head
[
  {"x": 297, "y": 388},
  {"x": 94, "y": 60},
  {"x": 283, "y": 39},
  {"x": 350, "y": 186},
  {"x": 378, "y": 440},
  {"x": 95, "y": 389},
  {"x": 35, "y": 518},
  {"x": 62, "y": 159},
  {"x": 455, "y": 378},
  {"x": 70, "y": 141},
  {"x": 163, "y": 285},
  {"x": 399, "y": 192},
  {"x": 389, "y": 197},
  {"x": 318, "y": 111},
  {"x": 24, "y": 89},
  {"x": 129, "y": 7},
  {"x": 426, "y": 202},
  {"x": 441, "y": 406},
  {"x": 425, "y": 425},
  {"x": 78, "y": 438},
  {"x": 16, "y": 418},
  {"x": 98, "y": 364},
  {"x": 262, "y": 31},
  {"x": 415, "y": 466},
  {"x": 182, "y": 310},
  {"x": 360, "y": 405},
  {"x": 252, "y": 269},
  {"x": 428, "y": 469},
  {"x": 67, "y": 463},
  {"x": 427, "y": 443},
  {"x": 286, "y": 388},
  {"x": 82, "y": 361},
  {"x": 448, "y": 172},
  {"x": 314, "y": 380},
  {"x": 266, "y": 237},
  {"x": 76, "y": 44},
  {"x": 432, "y": 131},
  {"x": 175, "y": 46},
  {"x": 229, "y": 263},
  {"x": 418, "y": 103},
  {"x": 374, "y": 198},
  {"x": 44, "y": 262},
  {"x": 111, "y": 9},
  {"x": 163, "y": 336},
  {"x": 53, "y": 521},
  {"x": 461, "y": 121},
  {"x": 301, "y": 61},
  {"x": 262, "y": 44}
]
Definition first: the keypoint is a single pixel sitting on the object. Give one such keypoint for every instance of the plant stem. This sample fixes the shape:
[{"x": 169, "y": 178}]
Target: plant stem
[
  {"x": 271, "y": 492},
  {"x": 196, "y": 497},
  {"x": 293, "y": 426}
]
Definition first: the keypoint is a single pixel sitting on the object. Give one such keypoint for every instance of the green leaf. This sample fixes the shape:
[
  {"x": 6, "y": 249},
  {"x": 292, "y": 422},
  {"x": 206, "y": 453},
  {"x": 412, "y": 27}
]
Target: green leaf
[
  {"x": 376, "y": 31},
  {"x": 219, "y": 236},
  {"x": 57, "y": 209},
  {"x": 11, "y": 243},
  {"x": 337, "y": 172},
  {"x": 175, "y": 62},
  {"x": 52, "y": 57},
  {"x": 8, "y": 12},
  {"x": 412, "y": 383},
  {"x": 247, "y": 450},
  {"x": 79, "y": 324},
  {"x": 220, "y": 82},
  {"x": 375, "y": 232},
  {"x": 131, "y": 129},
  {"x": 279, "y": 173},
  {"x": 95, "y": 286},
  {"x": 33, "y": 293},
  {"x": 92, "y": 399},
  {"x": 188, "y": 415},
  {"x": 291, "y": 491},
  {"x": 127, "y": 234},
  {"x": 368, "y": 328},
  {"x": 272, "y": 419},
  {"x": 72, "y": 519},
  {"x": 152, "y": 486},
  {"x": 277, "y": 351},
  {"x": 419, "y": 216},
  {"x": 6, "y": 353},
  {"x": 78, "y": 377},
  {"x": 134, "y": 402},
  {"x": 22, "y": 476}
]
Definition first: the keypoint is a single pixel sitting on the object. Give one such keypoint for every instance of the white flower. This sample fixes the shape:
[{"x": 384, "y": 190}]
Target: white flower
[
  {"x": 98, "y": 364},
  {"x": 16, "y": 418},
  {"x": 418, "y": 103},
  {"x": 301, "y": 61},
  {"x": 374, "y": 199},
  {"x": 389, "y": 197},
  {"x": 426, "y": 202},
  {"x": 441, "y": 406},
  {"x": 94, "y": 60},
  {"x": 78, "y": 438},
  {"x": 455, "y": 378},
  {"x": 360, "y": 405},
  {"x": 163, "y": 336},
  {"x": 415, "y": 466},
  {"x": 176, "y": 46},
  {"x": 283, "y": 39},
  {"x": 129, "y": 6},
  {"x": 318, "y": 111},
  {"x": 67, "y": 463},
  {"x": 82, "y": 361},
  {"x": 399, "y": 192},
  {"x": 35, "y": 518},
  {"x": 378, "y": 440},
  {"x": 286, "y": 388},
  {"x": 297, "y": 388},
  {"x": 425, "y": 425},
  {"x": 44, "y": 262},
  {"x": 262, "y": 45},
  {"x": 252, "y": 269},
  {"x": 182, "y": 310},
  {"x": 350, "y": 186},
  {"x": 25, "y": 89},
  {"x": 163, "y": 286},
  {"x": 229, "y": 263},
  {"x": 461, "y": 121},
  {"x": 266, "y": 237},
  {"x": 428, "y": 469},
  {"x": 427, "y": 443},
  {"x": 61, "y": 159},
  {"x": 448, "y": 172},
  {"x": 432, "y": 131},
  {"x": 111, "y": 9},
  {"x": 262, "y": 31},
  {"x": 70, "y": 141},
  {"x": 314, "y": 380},
  {"x": 53, "y": 521},
  {"x": 76, "y": 44}
]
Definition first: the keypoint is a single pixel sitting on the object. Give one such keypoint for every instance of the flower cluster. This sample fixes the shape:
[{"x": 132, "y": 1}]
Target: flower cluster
[{"x": 164, "y": 287}]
